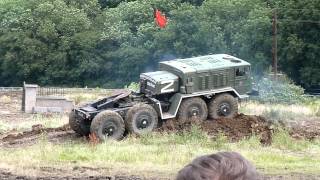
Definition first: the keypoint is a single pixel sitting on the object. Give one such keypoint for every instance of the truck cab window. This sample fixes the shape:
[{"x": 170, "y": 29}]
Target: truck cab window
[{"x": 240, "y": 72}]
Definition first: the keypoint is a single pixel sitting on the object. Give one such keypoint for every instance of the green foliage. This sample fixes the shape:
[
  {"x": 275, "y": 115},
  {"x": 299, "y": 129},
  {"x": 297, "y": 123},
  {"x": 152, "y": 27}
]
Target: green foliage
[
  {"x": 250, "y": 142},
  {"x": 300, "y": 50},
  {"x": 133, "y": 86},
  {"x": 108, "y": 43},
  {"x": 220, "y": 142},
  {"x": 281, "y": 91},
  {"x": 194, "y": 136}
]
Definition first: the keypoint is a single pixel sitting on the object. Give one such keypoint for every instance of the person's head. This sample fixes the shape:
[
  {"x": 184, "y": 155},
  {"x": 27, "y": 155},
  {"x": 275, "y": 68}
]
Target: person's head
[{"x": 219, "y": 166}]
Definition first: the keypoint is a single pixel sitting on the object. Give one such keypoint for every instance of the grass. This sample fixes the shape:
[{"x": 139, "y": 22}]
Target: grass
[
  {"x": 282, "y": 112},
  {"x": 83, "y": 97},
  {"x": 49, "y": 120},
  {"x": 167, "y": 153}
]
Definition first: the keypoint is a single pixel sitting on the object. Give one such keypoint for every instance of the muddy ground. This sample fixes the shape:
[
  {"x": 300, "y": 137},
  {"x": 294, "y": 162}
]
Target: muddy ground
[
  {"x": 235, "y": 129},
  {"x": 87, "y": 173}
]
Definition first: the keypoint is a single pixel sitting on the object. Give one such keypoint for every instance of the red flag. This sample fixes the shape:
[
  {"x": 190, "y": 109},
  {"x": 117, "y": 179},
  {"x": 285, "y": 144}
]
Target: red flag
[{"x": 160, "y": 19}]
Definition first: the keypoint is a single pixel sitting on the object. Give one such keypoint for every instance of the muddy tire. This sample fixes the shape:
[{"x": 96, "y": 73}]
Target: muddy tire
[
  {"x": 108, "y": 125},
  {"x": 193, "y": 108},
  {"x": 79, "y": 125},
  {"x": 141, "y": 119},
  {"x": 223, "y": 106}
]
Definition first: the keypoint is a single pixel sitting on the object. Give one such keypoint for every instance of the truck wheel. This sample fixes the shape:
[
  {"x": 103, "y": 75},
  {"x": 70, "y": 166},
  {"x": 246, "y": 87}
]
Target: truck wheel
[
  {"x": 79, "y": 125},
  {"x": 193, "y": 108},
  {"x": 141, "y": 118},
  {"x": 223, "y": 105},
  {"x": 108, "y": 124}
]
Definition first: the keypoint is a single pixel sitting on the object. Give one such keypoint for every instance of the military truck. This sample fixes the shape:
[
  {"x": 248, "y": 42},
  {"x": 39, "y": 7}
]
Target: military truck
[{"x": 199, "y": 87}]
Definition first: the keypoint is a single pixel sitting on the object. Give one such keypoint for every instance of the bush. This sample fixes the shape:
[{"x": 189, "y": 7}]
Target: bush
[
  {"x": 133, "y": 86},
  {"x": 281, "y": 91}
]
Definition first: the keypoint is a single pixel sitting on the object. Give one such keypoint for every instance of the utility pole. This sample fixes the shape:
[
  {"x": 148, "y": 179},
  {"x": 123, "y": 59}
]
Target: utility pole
[{"x": 274, "y": 44}]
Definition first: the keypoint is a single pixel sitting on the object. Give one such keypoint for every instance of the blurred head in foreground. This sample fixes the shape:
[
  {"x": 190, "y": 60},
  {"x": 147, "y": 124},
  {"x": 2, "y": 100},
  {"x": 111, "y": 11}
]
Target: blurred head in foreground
[{"x": 219, "y": 166}]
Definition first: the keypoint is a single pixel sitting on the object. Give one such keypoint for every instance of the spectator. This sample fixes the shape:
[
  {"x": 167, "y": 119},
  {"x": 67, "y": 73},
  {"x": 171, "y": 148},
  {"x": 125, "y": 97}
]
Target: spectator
[{"x": 219, "y": 166}]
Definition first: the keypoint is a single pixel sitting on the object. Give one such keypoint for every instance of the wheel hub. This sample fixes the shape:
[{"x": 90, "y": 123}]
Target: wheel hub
[
  {"x": 194, "y": 111},
  {"x": 109, "y": 129},
  {"x": 143, "y": 122},
  {"x": 224, "y": 109}
]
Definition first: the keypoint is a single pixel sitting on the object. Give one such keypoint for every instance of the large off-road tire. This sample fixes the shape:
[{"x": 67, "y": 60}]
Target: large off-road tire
[
  {"x": 108, "y": 125},
  {"x": 193, "y": 108},
  {"x": 79, "y": 125},
  {"x": 141, "y": 118},
  {"x": 223, "y": 105}
]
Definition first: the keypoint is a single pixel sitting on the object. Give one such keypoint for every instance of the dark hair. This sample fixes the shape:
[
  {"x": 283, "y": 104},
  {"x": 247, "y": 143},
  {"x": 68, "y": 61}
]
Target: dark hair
[{"x": 219, "y": 166}]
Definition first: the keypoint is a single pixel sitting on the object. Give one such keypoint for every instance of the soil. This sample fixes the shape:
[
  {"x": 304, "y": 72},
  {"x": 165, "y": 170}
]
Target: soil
[
  {"x": 58, "y": 135},
  {"x": 76, "y": 173},
  {"x": 237, "y": 128},
  {"x": 88, "y": 173},
  {"x": 309, "y": 129},
  {"x": 10, "y": 111}
]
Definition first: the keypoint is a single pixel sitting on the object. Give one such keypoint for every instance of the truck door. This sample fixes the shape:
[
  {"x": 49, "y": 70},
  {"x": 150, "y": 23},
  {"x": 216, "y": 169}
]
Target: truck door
[{"x": 242, "y": 79}]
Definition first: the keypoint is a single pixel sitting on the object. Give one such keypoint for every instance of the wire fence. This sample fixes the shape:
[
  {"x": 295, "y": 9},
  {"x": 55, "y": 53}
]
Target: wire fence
[
  {"x": 11, "y": 89},
  {"x": 58, "y": 91}
]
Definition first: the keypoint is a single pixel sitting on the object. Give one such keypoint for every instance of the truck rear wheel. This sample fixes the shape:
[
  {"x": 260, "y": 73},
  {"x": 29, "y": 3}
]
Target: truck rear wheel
[
  {"x": 223, "y": 105},
  {"x": 141, "y": 118},
  {"x": 193, "y": 108},
  {"x": 78, "y": 124},
  {"x": 108, "y": 124}
]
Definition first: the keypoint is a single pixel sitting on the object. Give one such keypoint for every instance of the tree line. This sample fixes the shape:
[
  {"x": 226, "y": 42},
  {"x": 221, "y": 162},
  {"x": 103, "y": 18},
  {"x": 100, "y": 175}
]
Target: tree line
[{"x": 108, "y": 43}]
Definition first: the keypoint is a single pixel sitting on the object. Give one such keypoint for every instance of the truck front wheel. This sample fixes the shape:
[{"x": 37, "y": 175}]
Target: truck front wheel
[
  {"x": 78, "y": 124},
  {"x": 141, "y": 118},
  {"x": 108, "y": 124},
  {"x": 223, "y": 105},
  {"x": 193, "y": 108}
]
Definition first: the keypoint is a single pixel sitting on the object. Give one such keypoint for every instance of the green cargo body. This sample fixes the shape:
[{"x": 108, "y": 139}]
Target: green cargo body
[{"x": 210, "y": 72}]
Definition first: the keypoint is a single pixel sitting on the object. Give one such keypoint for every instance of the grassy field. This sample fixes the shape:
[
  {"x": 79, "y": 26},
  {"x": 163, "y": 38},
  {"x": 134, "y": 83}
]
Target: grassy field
[
  {"x": 166, "y": 153},
  {"x": 283, "y": 113}
]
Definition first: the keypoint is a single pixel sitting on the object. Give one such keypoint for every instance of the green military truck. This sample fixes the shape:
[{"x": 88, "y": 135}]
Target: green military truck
[{"x": 198, "y": 87}]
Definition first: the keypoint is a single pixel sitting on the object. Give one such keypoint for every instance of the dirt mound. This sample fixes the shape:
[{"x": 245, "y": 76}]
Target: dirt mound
[
  {"x": 235, "y": 129},
  {"x": 19, "y": 139}
]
